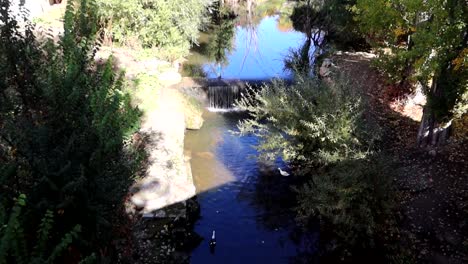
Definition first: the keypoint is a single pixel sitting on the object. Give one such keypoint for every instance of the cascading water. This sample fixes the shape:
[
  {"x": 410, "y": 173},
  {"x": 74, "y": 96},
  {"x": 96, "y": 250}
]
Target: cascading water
[{"x": 222, "y": 98}]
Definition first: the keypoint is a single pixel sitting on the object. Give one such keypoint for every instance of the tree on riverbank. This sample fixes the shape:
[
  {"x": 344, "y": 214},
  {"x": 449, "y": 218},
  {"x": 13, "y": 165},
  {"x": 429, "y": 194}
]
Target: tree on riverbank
[
  {"x": 428, "y": 41},
  {"x": 170, "y": 25},
  {"x": 424, "y": 42},
  {"x": 327, "y": 22},
  {"x": 64, "y": 121}
]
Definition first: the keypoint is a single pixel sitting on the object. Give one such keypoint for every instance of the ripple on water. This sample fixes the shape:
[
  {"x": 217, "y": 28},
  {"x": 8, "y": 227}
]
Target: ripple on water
[{"x": 251, "y": 225}]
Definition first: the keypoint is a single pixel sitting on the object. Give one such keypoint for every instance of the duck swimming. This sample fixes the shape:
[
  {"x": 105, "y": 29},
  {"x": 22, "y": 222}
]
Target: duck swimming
[
  {"x": 283, "y": 173},
  {"x": 213, "y": 240}
]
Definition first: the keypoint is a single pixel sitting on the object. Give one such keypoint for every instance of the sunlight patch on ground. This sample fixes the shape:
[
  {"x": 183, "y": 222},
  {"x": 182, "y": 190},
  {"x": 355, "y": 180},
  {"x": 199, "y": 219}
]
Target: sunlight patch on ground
[{"x": 410, "y": 105}]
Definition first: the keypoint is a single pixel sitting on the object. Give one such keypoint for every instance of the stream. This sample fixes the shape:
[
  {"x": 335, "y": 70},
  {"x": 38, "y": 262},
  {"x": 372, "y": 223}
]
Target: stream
[{"x": 247, "y": 202}]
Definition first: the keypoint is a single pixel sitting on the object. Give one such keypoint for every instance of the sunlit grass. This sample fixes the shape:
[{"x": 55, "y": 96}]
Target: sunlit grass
[{"x": 145, "y": 92}]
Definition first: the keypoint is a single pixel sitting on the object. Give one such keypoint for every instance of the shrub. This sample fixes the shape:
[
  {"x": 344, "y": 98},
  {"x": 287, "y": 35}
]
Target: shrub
[
  {"x": 13, "y": 246},
  {"x": 353, "y": 198},
  {"x": 320, "y": 128},
  {"x": 310, "y": 122},
  {"x": 63, "y": 124},
  {"x": 168, "y": 24}
]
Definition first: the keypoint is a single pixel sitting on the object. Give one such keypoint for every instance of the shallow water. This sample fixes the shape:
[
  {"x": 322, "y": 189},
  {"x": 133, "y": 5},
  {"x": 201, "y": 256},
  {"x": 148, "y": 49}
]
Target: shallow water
[{"x": 244, "y": 200}]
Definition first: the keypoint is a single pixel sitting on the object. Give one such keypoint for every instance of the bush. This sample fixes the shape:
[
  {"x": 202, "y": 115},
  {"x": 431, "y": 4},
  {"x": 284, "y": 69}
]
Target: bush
[
  {"x": 353, "y": 198},
  {"x": 309, "y": 122},
  {"x": 168, "y": 24},
  {"x": 321, "y": 129},
  {"x": 63, "y": 124},
  {"x": 13, "y": 246}
]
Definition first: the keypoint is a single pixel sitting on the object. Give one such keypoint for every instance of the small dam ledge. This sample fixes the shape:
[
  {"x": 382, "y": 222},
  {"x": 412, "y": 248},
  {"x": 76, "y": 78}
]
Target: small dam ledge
[{"x": 168, "y": 178}]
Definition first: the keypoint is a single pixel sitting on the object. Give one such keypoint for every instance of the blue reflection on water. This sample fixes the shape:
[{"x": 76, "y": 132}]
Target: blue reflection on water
[
  {"x": 258, "y": 54},
  {"x": 251, "y": 215}
]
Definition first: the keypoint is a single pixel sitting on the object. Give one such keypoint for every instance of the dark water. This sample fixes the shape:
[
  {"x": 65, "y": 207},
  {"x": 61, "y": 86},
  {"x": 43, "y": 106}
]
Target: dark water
[{"x": 247, "y": 202}]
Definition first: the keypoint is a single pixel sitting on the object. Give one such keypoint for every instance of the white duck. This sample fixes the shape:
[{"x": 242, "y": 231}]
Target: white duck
[
  {"x": 213, "y": 240},
  {"x": 283, "y": 173}
]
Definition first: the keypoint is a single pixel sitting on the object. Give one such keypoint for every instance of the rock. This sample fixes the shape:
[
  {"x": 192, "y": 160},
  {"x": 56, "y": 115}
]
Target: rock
[
  {"x": 193, "y": 121},
  {"x": 193, "y": 112},
  {"x": 327, "y": 63},
  {"x": 160, "y": 214},
  {"x": 418, "y": 96},
  {"x": 167, "y": 179},
  {"x": 138, "y": 201}
]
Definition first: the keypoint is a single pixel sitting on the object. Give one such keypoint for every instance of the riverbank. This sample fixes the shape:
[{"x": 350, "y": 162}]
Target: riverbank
[
  {"x": 431, "y": 183},
  {"x": 161, "y": 207},
  {"x": 161, "y": 200}
]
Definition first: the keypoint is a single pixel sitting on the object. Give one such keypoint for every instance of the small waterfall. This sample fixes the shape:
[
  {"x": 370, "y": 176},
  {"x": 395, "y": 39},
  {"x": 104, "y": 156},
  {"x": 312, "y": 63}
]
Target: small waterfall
[{"x": 222, "y": 98}]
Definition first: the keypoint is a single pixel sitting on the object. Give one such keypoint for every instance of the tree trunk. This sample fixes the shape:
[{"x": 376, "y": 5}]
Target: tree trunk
[{"x": 432, "y": 133}]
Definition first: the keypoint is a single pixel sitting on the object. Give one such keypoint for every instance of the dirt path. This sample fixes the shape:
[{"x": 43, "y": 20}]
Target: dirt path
[{"x": 432, "y": 184}]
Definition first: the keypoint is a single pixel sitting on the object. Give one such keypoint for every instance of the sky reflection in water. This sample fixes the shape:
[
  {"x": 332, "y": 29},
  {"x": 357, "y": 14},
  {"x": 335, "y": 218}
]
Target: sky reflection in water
[{"x": 258, "y": 55}]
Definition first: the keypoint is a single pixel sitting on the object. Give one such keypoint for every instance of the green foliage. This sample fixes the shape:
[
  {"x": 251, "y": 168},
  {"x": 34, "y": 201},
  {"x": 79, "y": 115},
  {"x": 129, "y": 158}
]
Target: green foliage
[
  {"x": 63, "y": 124},
  {"x": 328, "y": 22},
  {"x": 354, "y": 198},
  {"x": 13, "y": 247},
  {"x": 299, "y": 61},
  {"x": 378, "y": 18},
  {"x": 320, "y": 128},
  {"x": 222, "y": 31},
  {"x": 11, "y": 232},
  {"x": 193, "y": 70},
  {"x": 427, "y": 41},
  {"x": 168, "y": 24},
  {"x": 310, "y": 121},
  {"x": 64, "y": 243}
]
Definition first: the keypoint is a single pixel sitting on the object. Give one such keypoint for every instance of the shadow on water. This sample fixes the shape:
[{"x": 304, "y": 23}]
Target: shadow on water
[{"x": 246, "y": 201}]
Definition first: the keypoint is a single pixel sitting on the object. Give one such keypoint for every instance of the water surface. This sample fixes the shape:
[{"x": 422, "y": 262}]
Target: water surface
[
  {"x": 258, "y": 53},
  {"x": 246, "y": 201}
]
